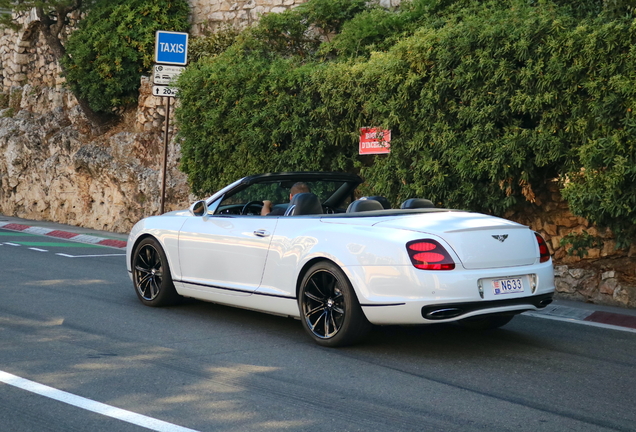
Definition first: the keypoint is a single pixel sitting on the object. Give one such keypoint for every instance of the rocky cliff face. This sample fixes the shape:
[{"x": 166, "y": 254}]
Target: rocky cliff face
[{"x": 53, "y": 169}]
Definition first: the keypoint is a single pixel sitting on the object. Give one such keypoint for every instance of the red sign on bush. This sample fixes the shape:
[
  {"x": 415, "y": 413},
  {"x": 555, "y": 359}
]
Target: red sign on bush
[{"x": 374, "y": 141}]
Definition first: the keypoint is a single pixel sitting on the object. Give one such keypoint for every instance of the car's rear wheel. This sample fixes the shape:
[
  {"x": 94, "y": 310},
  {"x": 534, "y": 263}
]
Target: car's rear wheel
[
  {"x": 329, "y": 309},
  {"x": 151, "y": 274},
  {"x": 487, "y": 322}
]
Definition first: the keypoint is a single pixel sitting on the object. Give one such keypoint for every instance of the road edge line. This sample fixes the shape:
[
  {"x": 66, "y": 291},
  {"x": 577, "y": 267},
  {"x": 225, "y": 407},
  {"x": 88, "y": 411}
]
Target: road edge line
[
  {"x": 575, "y": 321},
  {"x": 90, "y": 405}
]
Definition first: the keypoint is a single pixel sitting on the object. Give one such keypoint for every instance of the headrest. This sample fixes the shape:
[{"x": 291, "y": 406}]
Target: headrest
[
  {"x": 364, "y": 205},
  {"x": 304, "y": 203},
  {"x": 415, "y": 203},
  {"x": 385, "y": 202}
]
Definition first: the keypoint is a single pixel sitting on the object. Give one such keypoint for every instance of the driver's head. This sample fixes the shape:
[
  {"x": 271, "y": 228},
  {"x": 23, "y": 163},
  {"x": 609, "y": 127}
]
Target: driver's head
[{"x": 297, "y": 188}]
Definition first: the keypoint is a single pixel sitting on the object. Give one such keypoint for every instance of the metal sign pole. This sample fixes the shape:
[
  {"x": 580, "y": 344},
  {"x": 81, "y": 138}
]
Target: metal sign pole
[
  {"x": 171, "y": 48},
  {"x": 165, "y": 157}
]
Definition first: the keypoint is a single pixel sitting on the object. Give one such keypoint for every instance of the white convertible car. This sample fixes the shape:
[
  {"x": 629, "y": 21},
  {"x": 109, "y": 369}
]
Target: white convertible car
[{"x": 337, "y": 263}]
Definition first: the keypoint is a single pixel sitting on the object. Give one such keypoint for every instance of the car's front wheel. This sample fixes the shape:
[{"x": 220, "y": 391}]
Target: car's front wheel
[
  {"x": 151, "y": 274},
  {"x": 329, "y": 309}
]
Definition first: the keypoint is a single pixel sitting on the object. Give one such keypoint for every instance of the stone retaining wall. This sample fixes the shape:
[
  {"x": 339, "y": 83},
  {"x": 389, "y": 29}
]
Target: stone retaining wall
[
  {"x": 605, "y": 275},
  {"x": 208, "y": 15}
]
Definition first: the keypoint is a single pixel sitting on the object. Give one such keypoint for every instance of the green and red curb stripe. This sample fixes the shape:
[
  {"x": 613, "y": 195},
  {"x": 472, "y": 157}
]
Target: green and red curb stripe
[{"x": 81, "y": 238}]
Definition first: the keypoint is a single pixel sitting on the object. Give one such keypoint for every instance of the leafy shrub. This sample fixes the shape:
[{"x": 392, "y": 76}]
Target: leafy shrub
[
  {"x": 299, "y": 31},
  {"x": 114, "y": 45},
  {"x": 254, "y": 116},
  {"x": 377, "y": 29},
  {"x": 213, "y": 44},
  {"x": 580, "y": 243},
  {"x": 487, "y": 101}
]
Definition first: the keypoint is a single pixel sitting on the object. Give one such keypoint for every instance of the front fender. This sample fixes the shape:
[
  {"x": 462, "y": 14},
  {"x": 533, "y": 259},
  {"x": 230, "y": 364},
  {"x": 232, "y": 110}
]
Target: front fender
[{"x": 165, "y": 229}]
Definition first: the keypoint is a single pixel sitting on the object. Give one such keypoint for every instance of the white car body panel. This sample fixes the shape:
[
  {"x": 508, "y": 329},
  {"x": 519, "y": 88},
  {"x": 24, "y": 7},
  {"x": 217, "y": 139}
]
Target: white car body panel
[
  {"x": 370, "y": 250},
  {"x": 246, "y": 300},
  {"x": 225, "y": 251},
  {"x": 257, "y": 262},
  {"x": 468, "y": 235}
]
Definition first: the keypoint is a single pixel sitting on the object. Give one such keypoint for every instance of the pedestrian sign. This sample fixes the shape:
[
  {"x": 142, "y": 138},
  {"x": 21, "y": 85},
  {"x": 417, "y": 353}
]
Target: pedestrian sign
[{"x": 171, "y": 48}]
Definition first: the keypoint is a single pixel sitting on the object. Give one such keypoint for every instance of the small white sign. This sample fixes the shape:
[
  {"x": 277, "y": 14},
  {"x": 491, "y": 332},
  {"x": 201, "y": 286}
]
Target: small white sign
[
  {"x": 164, "y": 91},
  {"x": 163, "y": 75}
]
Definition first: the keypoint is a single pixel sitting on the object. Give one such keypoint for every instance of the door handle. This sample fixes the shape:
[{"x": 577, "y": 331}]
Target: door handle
[{"x": 261, "y": 233}]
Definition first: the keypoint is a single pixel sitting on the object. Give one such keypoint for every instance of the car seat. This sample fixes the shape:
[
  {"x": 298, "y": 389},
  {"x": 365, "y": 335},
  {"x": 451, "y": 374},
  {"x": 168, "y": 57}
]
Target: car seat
[
  {"x": 385, "y": 202},
  {"x": 305, "y": 203},
  {"x": 364, "y": 205},
  {"x": 415, "y": 203}
]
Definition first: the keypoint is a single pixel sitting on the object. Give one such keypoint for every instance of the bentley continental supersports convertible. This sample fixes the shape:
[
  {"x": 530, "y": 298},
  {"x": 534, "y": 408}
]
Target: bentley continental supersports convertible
[{"x": 338, "y": 263}]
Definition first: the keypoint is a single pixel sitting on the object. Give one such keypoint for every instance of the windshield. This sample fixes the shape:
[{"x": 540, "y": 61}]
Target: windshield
[{"x": 278, "y": 193}]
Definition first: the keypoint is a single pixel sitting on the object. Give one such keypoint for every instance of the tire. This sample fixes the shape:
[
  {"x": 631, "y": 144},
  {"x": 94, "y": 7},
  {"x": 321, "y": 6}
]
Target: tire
[
  {"x": 151, "y": 275},
  {"x": 486, "y": 323},
  {"x": 329, "y": 309}
]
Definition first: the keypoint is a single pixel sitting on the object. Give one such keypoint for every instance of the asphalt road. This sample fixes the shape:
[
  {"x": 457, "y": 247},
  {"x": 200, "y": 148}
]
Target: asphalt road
[{"x": 70, "y": 320}]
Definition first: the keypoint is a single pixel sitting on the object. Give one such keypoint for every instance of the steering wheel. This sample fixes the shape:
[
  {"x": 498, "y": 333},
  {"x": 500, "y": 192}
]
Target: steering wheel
[{"x": 253, "y": 204}]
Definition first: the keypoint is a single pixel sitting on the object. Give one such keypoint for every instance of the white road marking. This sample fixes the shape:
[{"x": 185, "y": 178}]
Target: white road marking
[
  {"x": 575, "y": 321},
  {"x": 91, "y": 405},
  {"x": 11, "y": 244},
  {"x": 38, "y": 230},
  {"x": 87, "y": 256},
  {"x": 84, "y": 238},
  {"x": 39, "y": 250}
]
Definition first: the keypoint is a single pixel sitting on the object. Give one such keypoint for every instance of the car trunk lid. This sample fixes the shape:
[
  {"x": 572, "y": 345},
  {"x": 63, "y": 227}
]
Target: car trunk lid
[{"x": 480, "y": 241}]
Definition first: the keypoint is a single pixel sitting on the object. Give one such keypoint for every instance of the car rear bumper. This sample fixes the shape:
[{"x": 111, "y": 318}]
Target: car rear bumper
[
  {"x": 420, "y": 312},
  {"x": 405, "y": 295}
]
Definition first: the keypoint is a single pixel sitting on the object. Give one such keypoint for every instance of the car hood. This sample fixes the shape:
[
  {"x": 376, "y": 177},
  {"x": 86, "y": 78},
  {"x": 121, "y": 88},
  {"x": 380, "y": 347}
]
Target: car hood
[{"x": 480, "y": 241}]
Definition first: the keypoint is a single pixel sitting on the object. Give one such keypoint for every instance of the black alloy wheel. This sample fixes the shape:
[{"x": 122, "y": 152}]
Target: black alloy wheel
[
  {"x": 329, "y": 308},
  {"x": 151, "y": 274}
]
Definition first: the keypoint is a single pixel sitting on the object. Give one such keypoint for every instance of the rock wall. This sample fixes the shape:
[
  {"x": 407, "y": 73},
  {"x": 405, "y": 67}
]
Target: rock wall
[
  {"x": 25, "y": 59},
  {"x": 209, "y": 15},
  {"x": 52, "y": 168},
  {"x": 605, "y": 275}
]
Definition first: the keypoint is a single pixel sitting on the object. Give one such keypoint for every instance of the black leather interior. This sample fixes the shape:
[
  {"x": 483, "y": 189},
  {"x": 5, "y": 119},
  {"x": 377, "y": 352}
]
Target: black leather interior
[
  {"x": 364, "y": 205},
  {"x": 415, "y": 203},
  {"x": 304, "y": 203},
  {"x": 385, "y": 202}
]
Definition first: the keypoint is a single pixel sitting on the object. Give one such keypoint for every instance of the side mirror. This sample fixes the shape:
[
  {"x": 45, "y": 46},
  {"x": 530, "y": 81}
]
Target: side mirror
[{"x": 199, "y": 208}]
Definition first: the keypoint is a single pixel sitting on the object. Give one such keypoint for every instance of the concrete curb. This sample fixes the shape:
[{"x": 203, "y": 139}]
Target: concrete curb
[
  {"x": 594, "y": 315},
  {"x": 80, "y": 238}
]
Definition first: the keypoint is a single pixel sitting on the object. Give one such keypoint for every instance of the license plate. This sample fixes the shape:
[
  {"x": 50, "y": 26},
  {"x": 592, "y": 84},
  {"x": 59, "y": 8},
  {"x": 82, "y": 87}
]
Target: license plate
[{"x": 506, "y": 286}]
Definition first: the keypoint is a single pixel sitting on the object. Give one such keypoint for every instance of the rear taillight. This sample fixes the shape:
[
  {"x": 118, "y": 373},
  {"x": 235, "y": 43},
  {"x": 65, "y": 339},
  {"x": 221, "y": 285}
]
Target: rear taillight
[
  {"x": 544, "y": 252},
  {"x": 429, "y": 255}
]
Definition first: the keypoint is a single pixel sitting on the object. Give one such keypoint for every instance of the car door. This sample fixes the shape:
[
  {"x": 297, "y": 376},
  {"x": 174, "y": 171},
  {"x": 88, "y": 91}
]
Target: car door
[{"x": 225, "y": 251}]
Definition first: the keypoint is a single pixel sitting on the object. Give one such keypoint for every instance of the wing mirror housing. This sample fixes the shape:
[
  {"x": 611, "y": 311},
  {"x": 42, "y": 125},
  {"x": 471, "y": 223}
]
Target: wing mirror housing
[{"x": 199, "y": 208}]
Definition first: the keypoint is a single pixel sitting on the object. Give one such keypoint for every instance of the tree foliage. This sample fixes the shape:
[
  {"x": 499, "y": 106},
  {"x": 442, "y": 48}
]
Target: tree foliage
[
  {"x": 487, "y": 101},
  {"x": 114, "y": 45}
]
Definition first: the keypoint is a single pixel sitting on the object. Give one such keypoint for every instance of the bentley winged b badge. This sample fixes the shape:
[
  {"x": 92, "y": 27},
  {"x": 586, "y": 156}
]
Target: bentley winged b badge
[{"x": 501, "y": 238}]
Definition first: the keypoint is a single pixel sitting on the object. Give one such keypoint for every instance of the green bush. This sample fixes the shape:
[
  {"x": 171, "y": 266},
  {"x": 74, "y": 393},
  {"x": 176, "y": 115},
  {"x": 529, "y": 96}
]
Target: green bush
[
  {"x": 579, "y": 244},
  {"x": 487, "y": 101},
  {"x": 213, "y": 44},
  {"x": 114, "y": 45}
]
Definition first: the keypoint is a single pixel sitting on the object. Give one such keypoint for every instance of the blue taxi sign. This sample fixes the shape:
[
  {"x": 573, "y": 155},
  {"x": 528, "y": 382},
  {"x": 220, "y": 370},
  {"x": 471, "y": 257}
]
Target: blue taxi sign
[{"x": 171, "y": 48}]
